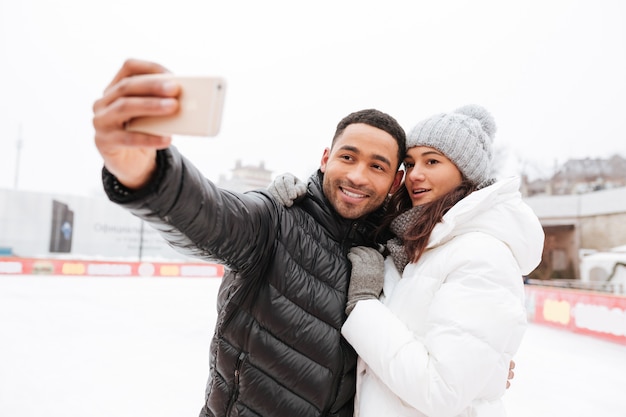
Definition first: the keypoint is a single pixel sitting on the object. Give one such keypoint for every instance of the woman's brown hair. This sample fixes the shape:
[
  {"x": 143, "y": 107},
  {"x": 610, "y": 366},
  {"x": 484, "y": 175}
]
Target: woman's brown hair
[{"x": 415, "y": 238}]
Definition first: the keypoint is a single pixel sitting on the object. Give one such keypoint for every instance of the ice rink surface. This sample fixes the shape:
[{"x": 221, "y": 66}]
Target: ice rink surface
[{"x": 138, "y": 347}]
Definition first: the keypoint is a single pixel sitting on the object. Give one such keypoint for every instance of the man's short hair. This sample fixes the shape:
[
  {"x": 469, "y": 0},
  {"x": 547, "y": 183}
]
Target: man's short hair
[{"x": 380, "y": 120}]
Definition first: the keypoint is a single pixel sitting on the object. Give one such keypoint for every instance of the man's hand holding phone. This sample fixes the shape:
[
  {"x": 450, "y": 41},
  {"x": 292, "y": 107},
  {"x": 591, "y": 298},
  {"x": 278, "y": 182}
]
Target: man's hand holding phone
[{"x": 143, "y": 95}]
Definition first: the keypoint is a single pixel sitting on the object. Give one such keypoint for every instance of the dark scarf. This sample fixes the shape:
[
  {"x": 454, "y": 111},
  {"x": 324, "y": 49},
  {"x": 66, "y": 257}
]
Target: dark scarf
[
  {"x": 399, "y": 226},
  {"x": 402, "y": 223}
]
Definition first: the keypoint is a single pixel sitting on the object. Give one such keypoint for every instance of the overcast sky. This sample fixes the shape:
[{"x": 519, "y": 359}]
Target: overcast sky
[{"x": 553, "y": 73}]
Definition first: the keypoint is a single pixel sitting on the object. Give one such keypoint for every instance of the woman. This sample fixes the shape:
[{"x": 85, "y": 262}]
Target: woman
[{"x": 439, "y": 340}]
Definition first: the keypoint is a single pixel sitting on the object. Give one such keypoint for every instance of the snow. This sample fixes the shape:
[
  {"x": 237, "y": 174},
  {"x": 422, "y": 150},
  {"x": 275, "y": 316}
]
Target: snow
[
  {"x": 564, "y": 374},
  {"x": 76, "y": 346}
]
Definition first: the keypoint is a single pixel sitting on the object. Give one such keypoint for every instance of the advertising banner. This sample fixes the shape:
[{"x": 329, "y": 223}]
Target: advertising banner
[{"x": 595, "y": 314}]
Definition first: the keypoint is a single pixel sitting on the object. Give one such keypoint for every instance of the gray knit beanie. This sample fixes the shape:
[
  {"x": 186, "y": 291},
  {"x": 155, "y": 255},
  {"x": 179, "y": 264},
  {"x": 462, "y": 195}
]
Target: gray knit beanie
[{"x": 464, "y": 136}]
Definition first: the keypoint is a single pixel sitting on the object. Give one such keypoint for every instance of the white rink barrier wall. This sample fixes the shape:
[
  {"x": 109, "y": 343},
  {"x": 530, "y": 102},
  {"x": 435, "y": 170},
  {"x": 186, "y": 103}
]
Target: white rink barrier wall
[
  {"x": 40, "y": 225},
  {"x": 68, "y": 267}
]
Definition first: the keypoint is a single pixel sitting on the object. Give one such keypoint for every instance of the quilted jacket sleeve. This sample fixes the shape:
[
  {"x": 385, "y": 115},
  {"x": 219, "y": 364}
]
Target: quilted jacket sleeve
[{"x": 199, "y": 219}]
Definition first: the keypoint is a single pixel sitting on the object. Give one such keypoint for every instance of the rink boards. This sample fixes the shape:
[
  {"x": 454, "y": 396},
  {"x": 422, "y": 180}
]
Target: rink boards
[{"x": 585, "y": 312}]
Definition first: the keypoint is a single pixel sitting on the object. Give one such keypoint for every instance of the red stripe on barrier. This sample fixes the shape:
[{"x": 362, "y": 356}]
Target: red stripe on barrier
[
  {"x": 595, "y": 314},
  {"x": 35, "y": 266}
]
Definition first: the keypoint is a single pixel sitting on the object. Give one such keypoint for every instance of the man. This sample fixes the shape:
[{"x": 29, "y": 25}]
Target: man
[{"x": 277, "y": 348}]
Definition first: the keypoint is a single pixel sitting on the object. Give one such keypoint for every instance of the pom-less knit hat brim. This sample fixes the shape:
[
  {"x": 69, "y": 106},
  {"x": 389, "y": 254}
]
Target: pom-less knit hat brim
[{"x": 464, "y": 136}]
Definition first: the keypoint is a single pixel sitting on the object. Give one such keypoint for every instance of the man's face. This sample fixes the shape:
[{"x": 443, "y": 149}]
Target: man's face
[{"x": 360, "y": 170}]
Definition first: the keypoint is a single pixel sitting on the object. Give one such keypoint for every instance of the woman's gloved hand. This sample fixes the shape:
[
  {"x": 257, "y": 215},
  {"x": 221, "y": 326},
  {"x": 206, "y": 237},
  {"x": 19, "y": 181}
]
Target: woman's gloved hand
[{"x": 366, "y": 281}]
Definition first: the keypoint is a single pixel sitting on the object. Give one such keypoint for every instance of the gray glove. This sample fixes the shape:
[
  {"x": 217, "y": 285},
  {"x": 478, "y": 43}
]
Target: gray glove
[
  {"x": 366, "y": 281},
  {"x": 287, "y": 188}
]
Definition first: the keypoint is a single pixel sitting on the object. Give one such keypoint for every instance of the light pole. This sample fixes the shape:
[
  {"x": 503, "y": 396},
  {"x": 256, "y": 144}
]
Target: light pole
[{"x": 18, "y": 146}]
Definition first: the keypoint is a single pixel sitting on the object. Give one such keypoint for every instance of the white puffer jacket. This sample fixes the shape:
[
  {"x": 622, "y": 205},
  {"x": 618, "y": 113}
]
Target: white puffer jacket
[{"x": 440, "y": 340}]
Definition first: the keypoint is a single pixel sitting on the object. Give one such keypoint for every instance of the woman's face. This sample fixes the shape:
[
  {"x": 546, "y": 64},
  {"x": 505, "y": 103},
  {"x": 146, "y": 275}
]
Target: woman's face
[{"x": 429, "y": 175}]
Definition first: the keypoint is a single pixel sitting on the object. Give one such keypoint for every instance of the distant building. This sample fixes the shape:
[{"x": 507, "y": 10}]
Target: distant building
[
  {"x": 579, "y": 176},
  {"x": 246, "y": 178},
  {"x": 577, "y": 223},
  {"x": 582, "y": 208}
]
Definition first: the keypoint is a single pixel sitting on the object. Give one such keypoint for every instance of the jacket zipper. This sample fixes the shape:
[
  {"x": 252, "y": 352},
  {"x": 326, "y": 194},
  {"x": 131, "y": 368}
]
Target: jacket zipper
[
  {"x": 235, "y": 394},
  {"x": 348, "y": 239},
  {"x": 347, "y": 245}
]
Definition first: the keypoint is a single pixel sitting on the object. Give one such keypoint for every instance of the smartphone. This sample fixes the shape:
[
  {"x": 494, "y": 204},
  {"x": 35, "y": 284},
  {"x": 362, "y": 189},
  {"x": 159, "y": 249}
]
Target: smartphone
[{"x": 200, "y": 112}]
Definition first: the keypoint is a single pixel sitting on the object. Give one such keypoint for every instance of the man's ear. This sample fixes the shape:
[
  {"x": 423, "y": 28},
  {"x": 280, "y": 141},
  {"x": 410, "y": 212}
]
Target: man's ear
[
  {"x": 397, "y": 181},
  {"x": 324, "y": 161}
]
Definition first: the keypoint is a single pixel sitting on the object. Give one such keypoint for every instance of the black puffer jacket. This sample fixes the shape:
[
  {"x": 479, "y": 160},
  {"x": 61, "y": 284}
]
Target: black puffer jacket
[{"x": 277, "y": 349}]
